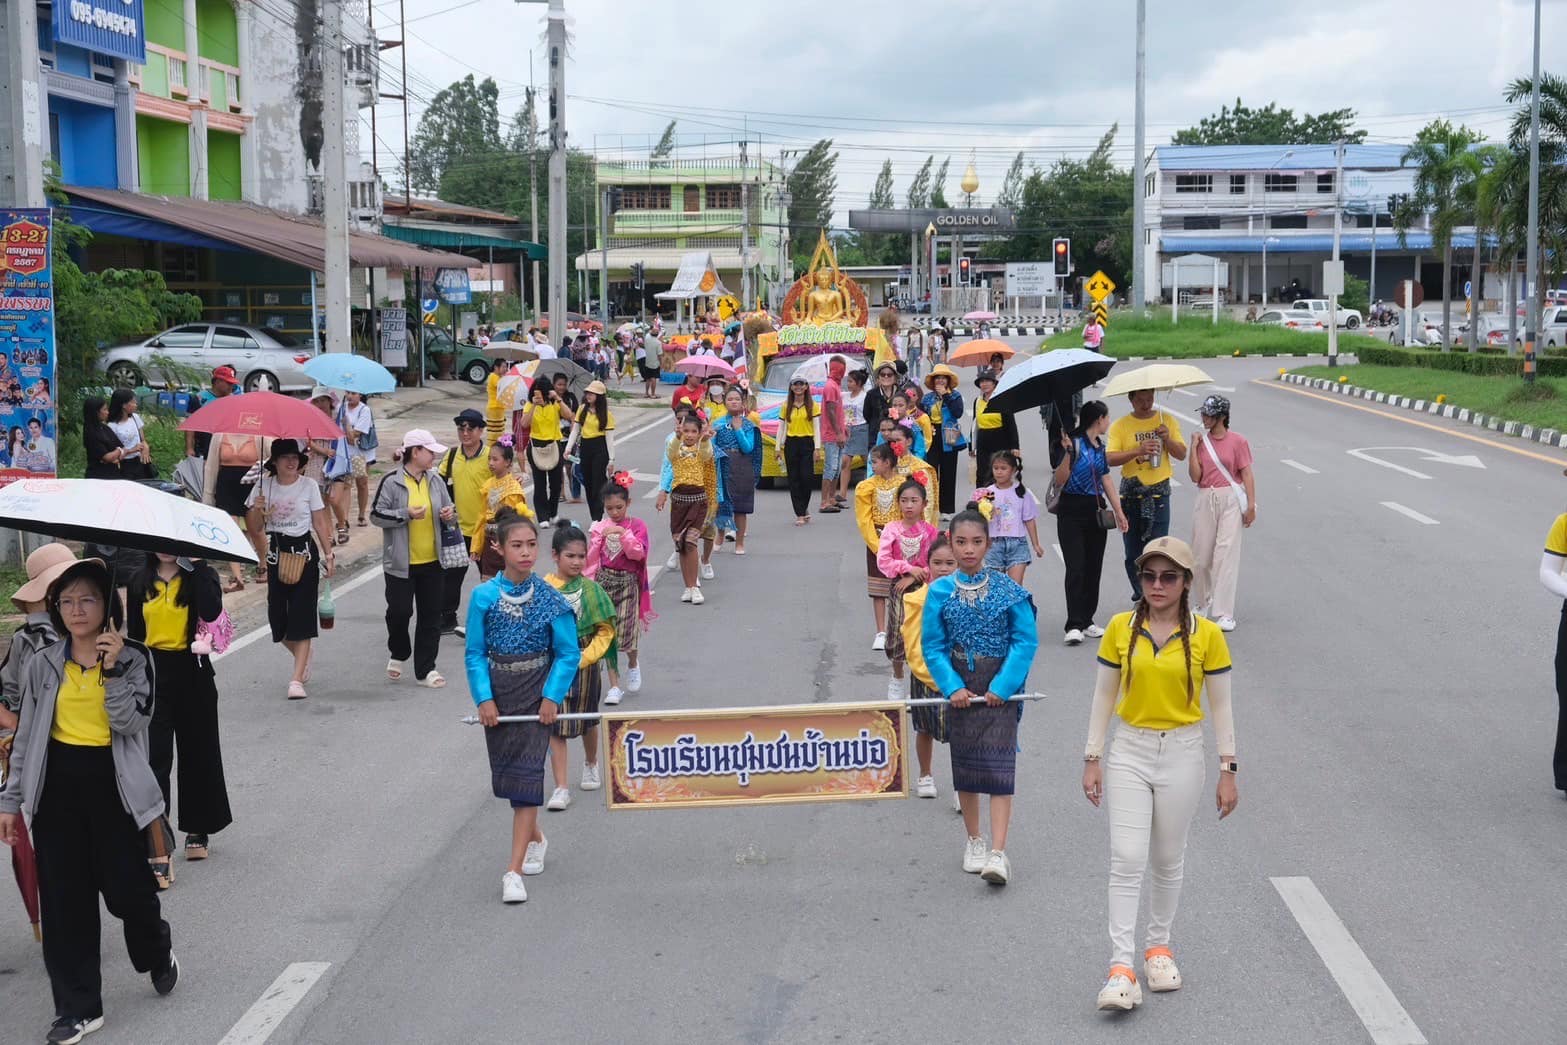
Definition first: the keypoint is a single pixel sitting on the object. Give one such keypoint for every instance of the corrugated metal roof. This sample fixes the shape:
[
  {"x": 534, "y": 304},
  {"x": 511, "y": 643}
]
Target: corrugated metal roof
[
  {"x": 1356, "y": 242},
  {"x": 461, "y": 237},
  {"x": 1275, "y": 157}
]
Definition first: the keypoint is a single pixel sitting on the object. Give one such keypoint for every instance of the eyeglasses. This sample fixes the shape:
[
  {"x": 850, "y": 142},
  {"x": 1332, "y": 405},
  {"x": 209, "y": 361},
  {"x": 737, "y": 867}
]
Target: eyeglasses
[
  {"x": 468, "y": 424},
  {"x": 1167, "y": 579}
]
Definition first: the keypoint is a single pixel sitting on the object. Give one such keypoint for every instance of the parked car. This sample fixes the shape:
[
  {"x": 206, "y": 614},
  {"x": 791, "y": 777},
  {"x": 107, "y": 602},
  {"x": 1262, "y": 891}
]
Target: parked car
[
  {"x": 574, "y": 321},
  {"x": 267, "y": 360},
  {"x": 472, "y": 365},
  {"x": 1348, "y": 318},
  {"x": 1278, "y": 317},
  {"x": 1553, "y": 327}
]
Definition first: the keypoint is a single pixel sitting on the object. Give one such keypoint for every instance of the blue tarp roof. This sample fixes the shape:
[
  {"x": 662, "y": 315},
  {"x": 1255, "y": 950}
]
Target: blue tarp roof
[
  {"x": 1275, "y": 157},
  {"x": 109, "y": 222},
  {"x": 1356, "y": 242}
]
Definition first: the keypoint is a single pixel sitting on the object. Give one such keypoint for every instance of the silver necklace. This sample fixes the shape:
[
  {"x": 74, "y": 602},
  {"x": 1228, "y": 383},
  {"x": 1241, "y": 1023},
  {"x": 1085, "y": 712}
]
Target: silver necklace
[{"x": 971, "y": 592}]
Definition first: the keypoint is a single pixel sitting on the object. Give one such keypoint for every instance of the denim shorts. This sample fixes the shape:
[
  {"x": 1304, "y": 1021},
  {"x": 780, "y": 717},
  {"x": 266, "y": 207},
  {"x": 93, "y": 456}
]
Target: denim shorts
[
  {"x": 1008, "y": 551},
  {"x": 832, "y": 459}
]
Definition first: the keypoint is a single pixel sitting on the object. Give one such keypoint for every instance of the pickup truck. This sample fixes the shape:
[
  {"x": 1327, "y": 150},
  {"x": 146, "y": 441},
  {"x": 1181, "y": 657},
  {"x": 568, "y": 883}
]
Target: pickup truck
[{"x": 1348, "y": 318}]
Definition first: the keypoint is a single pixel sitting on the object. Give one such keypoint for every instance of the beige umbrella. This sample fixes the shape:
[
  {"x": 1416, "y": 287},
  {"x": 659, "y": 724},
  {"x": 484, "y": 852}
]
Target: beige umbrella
[{"x": 1159, "y": 377}]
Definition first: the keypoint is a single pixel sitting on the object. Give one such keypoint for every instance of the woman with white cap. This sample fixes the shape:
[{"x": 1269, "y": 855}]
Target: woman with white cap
[
  {"x": 1154, "y": 665},
  {"x": 409, "y": 507}
]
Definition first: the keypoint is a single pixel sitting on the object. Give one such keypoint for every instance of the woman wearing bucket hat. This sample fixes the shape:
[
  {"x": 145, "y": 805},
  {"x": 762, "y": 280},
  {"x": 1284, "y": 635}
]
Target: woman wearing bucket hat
[
  {"x": 943, "y": 403},
  {"x": 412, "y": 507},
  {"x": 1220, "y": 463},
  {"x": 1155, "y": 664},
  {"x": 288, "y": 508},
  {"x": 993, "y": 432}
]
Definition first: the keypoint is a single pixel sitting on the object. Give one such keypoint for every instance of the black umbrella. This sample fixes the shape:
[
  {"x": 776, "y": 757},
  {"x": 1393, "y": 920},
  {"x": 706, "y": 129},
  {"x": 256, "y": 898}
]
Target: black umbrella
[
  {"x": 579, "y": 378},
  {"x": 1050, "y": 377}
]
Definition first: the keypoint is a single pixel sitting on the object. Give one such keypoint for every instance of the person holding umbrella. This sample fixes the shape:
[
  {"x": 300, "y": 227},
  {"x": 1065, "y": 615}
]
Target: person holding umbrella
[
  {"x": 993, "y": 430},
  {"x": 943, "y": 403},
  {"x": 407, "y": 507},
  {"x": 1142, "y": 444}
]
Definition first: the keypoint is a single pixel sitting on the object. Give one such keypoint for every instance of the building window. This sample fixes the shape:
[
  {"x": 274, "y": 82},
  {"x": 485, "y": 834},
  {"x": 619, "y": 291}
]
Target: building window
[
  {"x": 1287, "y": 221},
  {"x": 231, "y": 85},
  {"x": 645, "y": 197},
  {"x": 177, "y": 75},
  {"x": 1363, "y": 221},
  {"x": 1194, "y": 183},
  {"x": 54, "y": 145},
  {"x": 1200, "y": 223},
  {"x": 1280, "y": 183},
  {"x": 1325, "y": 182},
  {"x": 1150, "y": 184},
  {"x": 693, "y": 199},
  {"x": 723, "y": 197},
  {"x": 1237, "y": 185}
]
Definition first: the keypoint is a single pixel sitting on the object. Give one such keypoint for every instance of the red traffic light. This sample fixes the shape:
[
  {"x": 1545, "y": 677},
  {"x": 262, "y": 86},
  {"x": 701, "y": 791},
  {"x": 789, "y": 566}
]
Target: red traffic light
[{"x": 1060, "y": 246}]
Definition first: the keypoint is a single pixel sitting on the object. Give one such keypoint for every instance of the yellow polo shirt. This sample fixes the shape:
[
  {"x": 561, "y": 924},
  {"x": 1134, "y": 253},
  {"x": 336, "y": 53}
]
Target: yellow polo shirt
[
  {"x": 1128, "y": 433},
  {"x": 1157, "y": 698},
  {"x": 800, "y": 421},
  {"x": 1556, "y": 538},
  {"x": 165, "y": 621},
  {"x": 421, "y": 532},
  {"x": 546, "y": 423},
  {"x": 469, "y": 474},
  {"x": 80, "y": 716},
  {"x": 590, "y": 424}
]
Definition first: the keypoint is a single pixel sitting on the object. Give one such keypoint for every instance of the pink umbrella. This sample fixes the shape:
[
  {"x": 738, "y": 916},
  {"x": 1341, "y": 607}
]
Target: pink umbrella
[
  {"x": 705, "y": 365},
  {"x": 262, "y": 413},
  {"x": 979, "y": 316}
]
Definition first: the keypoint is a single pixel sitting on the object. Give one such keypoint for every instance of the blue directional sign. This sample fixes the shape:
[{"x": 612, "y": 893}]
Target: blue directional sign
[{"x": 112, "y": 27}]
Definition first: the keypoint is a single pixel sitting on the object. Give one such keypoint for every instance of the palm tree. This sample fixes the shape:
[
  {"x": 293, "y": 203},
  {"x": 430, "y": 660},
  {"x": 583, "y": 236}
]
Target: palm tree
[
  {"x": 1476, "y": 196},
  {"x": 1553, "y": 168},
  {"x": 1444, "y": 160}
]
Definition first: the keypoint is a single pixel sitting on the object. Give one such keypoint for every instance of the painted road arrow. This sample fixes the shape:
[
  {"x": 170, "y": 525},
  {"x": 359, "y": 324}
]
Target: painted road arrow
[{"x": 1432, "y": 456}]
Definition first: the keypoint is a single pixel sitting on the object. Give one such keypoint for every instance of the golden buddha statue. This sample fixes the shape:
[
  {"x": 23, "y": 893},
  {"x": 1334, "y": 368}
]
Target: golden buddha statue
[{"x": 826, "y": 301}]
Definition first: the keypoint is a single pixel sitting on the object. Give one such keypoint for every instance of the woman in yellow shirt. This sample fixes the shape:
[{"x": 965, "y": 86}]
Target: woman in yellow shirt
[
  {"x": 593, "y": 438},
  {"x": 596, "y": 636},
  {"x": 1154, "y": 665},
  {"x": 993, "y": 432},
  {"x": 799, "y": 434},
  {"x": 543, "y": 417}
]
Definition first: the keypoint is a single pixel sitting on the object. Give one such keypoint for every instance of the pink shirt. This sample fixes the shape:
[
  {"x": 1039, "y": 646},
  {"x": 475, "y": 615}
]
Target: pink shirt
[
  {"x": 1009, "y": 512},
  {"x": 833, "y": 428},
  {"x": 892, "y": 558},
  {"x": 1234, "y": 451}
]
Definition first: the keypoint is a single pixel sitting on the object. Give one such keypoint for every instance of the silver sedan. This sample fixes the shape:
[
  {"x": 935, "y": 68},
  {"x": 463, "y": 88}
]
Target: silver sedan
[{"x": 265, "y": 360}]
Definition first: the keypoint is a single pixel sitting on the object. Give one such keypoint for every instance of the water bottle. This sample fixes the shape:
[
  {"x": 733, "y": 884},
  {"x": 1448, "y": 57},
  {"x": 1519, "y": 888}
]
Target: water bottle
[{"x": 1157, "y": 458}]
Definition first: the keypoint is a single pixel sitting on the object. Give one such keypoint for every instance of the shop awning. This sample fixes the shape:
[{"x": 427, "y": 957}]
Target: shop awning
[
  {"x": 661, "y": 259},
  {"x": 462, "y": 239},
  {"x": 227, "y": 225}
]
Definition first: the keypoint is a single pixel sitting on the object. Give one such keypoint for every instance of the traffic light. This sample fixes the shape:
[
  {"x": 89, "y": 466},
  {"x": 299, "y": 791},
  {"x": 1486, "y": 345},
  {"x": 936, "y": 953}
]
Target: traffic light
[
  {"x": 1063, "y": 256},
  {"x": 963, "y": 264},
  {"x": 638, "y": 270},
  {"x": 612, "y": 198}
]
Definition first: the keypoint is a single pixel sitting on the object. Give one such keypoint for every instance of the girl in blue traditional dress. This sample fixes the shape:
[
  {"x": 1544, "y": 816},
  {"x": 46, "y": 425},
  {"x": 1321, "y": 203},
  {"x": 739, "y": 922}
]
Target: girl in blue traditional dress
[
  {"x": 737, "y": 443},
  {"x": 978, "y": 638},
  {"x": 522, "y": 656}
]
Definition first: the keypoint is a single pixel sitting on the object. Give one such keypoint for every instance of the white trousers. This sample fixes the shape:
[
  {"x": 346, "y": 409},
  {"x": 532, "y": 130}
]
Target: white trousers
[
  {"x": 1216, "y": 541},
  {"x": 1153, "y": 780}
]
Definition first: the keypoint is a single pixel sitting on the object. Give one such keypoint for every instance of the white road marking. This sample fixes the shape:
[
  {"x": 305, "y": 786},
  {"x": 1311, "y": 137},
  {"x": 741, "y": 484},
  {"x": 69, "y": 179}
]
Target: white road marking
[
  {"x": 1433, "y": 456},
  {"x": 1300, "y": 467},
  {"x": 1184, "y": 392},
  {"x": 1362, "y": 455},
  {"x": 1424, "y": 520},
  {"x": 1184, "y": 417},
  {"x": 1060, "y": 556},
  {"x": 275, "y": 1003},
  {"x": 1221, "y": 388},
  {"x": 1368, "y": 994}
]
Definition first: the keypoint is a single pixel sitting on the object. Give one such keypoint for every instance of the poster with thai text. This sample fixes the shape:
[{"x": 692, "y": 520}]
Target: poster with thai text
[{"x": 27, "y": 353}]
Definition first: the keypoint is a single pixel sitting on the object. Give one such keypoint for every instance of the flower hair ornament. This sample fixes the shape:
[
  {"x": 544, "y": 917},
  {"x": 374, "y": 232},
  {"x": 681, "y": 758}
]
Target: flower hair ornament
[
  {"x": 506, "y": 441},
  {"x": 622, "y": 480},
  {"x": 921, "y": 478}
]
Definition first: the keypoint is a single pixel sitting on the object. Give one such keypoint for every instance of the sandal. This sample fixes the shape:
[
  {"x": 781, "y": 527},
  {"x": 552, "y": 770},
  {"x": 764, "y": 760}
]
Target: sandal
[
  {"x": 296, "y": 691},
  {"x": 434, "y": 680},
  {"x": 342, "y": 533},
  {"x": 233, "y": 585},
  {"x": 363, "y": 521},
  {"x": 163, "y": 871},
  {"x": 394, "y": 669}
]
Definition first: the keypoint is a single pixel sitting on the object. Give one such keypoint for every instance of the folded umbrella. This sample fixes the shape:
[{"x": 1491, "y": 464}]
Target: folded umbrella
[
  {"x": 1157, "y": 377},
  {"x": 704, "y": 365},
  {"x": 264, "y": 414},
  {"x": 124, "y": 514},
  {"x": 1050, "y": 377},
  {"x": 24, "y": 863},
  {"x": 350, "y": 373},
  {"x": 979, "y": 351}
]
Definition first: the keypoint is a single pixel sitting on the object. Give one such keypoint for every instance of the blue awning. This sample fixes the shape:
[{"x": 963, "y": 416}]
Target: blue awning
[
  {"x": 1355, "y": 242},
  {"x": 108, "y": 222}
]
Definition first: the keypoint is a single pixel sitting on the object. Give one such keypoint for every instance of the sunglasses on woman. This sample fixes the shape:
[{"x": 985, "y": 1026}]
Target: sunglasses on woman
[{"x": 1165, "y": 579}]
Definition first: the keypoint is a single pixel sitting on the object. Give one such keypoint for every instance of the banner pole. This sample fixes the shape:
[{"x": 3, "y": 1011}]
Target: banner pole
[{"x": 473, "y": 720}]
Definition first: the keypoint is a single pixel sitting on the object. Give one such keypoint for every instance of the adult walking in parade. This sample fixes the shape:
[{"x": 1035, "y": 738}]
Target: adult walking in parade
[
  {"x": 358, "y": 424},
  {"x": 1154, "y": 774},
  {"x": 543, "y": 417},
  {"x": 408, "y": 508},
  {"x": 993, "y": 431},
  {"x": 465, "y": 469},
  {"x": 1142, "y": 444},
  {"x": 878, "y": 398},
  {"x": 1555, "y": 582},
  {"x": 799, "y": 433},
  {"x": 1220, "y": 463},
  {"x": 79, "y": 770},
  {"x": 943, "y": 404},
  {"x": 593, "y": 439},
  {"x": 835, "y": 436},
  {"x": 1083, "y": 475}
]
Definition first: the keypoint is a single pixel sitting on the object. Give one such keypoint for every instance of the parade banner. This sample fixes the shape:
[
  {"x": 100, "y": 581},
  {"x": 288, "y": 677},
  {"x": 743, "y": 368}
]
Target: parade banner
[
  {"x": 756, "y": 756},
  {"x": 27, "y": 369}
]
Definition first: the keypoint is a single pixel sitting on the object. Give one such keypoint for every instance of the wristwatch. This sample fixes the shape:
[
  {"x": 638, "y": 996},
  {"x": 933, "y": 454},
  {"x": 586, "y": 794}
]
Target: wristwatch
[{"x": 1229, "y": 766}]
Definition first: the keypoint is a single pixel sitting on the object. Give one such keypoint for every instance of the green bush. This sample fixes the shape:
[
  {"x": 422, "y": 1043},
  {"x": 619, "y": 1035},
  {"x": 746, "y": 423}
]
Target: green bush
[
  {"x": 1357, "y": 294},
  {"x": 1461, "y": 362}
]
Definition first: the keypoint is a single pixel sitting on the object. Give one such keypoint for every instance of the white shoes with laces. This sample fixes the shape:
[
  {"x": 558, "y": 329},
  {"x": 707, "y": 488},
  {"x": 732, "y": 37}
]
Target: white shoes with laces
[
  {"x": 533, "y": 857},
  {"x": 1094, "y": 631},
  {"x": 926, "y": 787},
  {"x": 880, "y": 641},
  {"x": 614, "y": 696},
  {"x": 707, "y": 571},
  {"x": 975, "y": 854},
  {"x": 673, "y": 562},
  {"x": 512, "y": 889},
  {"x": 560, "y": 798},
  {"x": 997, "y": 868},
  {"x": 895, "y": 689},
  {"x": 1073, "y": 638},
  {"x": 1225, "y": 623},
  {"x": 592, "y": 776},
  {"x": 633, "y": 679},
  {"x": 697, "y": 598}
]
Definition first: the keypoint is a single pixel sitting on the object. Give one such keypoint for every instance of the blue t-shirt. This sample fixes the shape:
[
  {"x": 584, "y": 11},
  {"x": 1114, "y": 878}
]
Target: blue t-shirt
[{"x": 1088, "y": 468}]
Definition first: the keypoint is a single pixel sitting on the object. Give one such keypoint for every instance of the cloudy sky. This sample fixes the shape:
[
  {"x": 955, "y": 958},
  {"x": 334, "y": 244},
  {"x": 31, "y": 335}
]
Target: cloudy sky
[{"x": 902, "y": 79}]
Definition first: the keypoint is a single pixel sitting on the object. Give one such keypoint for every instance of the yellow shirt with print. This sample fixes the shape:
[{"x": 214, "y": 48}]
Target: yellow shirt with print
[
  {"x": 421, "y": 532},
  {"x": 1128, "y": 433},
  {"x": 545, "y": 427},
  {"x": 80, "y": 715},
  {"x": 800, "y": 421},
  {"x": 468, "y": 476},
  {"x": 165, "y": 621},
  {"x": 590, "y": 423},
  {"x": 1157, "y": 697}
]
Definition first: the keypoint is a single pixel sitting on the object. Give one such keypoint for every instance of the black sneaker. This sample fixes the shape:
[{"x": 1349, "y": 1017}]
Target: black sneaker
[
  {"x": 163, "y": 981},
  {"x": 68, "y": 1031}
]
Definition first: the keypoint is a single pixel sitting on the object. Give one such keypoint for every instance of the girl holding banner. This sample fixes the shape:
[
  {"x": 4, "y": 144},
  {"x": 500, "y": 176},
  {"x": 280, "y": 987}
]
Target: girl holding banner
[{"x": 929, "y": 720}]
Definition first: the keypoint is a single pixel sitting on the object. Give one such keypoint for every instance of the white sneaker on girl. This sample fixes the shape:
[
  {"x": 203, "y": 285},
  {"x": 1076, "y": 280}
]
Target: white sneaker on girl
[
  {"x": 633, "y": 679},
  {"x": 533, "y": 857},
  {"x": 926, "y": 787},
  {"x": 975, "y": 852},
  {"x": 512, "y": 889},
  {"x": 560, "y": 798},
  {"x": 591, "y": 779},
  {"x": 613, "y": 696}
]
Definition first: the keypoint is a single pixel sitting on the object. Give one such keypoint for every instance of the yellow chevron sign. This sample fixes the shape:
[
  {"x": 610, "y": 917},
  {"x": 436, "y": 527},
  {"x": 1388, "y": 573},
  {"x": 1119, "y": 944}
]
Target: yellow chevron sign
[{"x": 1100, "y": 313}]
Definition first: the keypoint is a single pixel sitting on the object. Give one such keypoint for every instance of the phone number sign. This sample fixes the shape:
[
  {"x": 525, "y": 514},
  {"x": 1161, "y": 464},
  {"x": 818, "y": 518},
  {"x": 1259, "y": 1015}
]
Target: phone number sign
[{"x": 111, "y": 27}]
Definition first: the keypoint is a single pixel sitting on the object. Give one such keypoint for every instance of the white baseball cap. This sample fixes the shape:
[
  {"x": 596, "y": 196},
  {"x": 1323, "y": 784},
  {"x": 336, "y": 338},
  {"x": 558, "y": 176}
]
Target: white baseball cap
[{"x": 422, "y": 437}]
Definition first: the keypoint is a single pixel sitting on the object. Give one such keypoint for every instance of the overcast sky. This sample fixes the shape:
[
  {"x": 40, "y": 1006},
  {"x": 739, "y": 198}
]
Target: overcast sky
[{"x": 902, "y": 79}]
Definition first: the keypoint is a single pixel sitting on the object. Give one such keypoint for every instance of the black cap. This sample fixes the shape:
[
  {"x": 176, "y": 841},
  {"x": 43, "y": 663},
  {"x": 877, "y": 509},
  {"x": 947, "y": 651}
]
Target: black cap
[{"x": 469, "y": 417}]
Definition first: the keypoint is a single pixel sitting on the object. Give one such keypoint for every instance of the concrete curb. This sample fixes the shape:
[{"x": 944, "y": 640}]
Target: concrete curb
[{"x": 1502, "y": 426}]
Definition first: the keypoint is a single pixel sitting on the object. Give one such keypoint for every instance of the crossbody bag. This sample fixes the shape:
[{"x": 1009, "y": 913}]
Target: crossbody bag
[{"x": 1236, "y": 488}]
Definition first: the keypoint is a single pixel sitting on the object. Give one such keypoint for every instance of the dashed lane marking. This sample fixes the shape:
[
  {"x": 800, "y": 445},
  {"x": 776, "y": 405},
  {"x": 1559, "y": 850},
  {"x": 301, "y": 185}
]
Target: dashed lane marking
[
  {"x": 1424, "y": 520},
  {"x": 275, "y": 1003},
  {"x": 1299, "y": 467}
]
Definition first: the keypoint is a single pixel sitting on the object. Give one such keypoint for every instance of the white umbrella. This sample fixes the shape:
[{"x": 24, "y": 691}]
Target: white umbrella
[{"x": 125, "y": 515}]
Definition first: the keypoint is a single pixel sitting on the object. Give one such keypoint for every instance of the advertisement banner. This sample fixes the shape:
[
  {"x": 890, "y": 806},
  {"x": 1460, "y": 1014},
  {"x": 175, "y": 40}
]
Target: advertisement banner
[
  {"x": 394, "y": 337},
  {"x": 27, "y": 371},
  {"x": 756, "y": 756},
  {"x": 452, "y": 286},
  {"x": 112, "y": 27}
]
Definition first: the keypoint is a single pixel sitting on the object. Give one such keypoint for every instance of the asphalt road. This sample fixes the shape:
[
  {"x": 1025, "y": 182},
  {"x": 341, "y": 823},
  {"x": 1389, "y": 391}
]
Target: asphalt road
[{"x": 1394, "y": 712}]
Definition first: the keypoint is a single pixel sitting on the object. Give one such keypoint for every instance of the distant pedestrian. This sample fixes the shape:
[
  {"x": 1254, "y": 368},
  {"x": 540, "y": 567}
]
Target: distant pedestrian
[
  {"x": 1225, "y": 506},
  {"x": 1083, "y": 475},
  {"x": 835, "y": 436},
  {"x": 359, "y": 426},
  {"x": 1154, "y": 774},
  {"x": 799, "y": 434},
  {"x": 1143, "y": 443}
]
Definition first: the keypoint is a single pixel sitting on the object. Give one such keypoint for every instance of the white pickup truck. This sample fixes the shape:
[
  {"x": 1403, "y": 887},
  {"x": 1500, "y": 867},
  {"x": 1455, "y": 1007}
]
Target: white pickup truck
[{"x": 1348, "y": 318}]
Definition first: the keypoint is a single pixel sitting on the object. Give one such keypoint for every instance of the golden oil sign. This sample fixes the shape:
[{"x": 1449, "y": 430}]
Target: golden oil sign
[{"x": 755, "y": 756}]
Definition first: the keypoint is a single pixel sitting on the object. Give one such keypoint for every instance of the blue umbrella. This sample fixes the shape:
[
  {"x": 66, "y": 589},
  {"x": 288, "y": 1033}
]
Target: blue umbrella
[{"x": 350, "y": 373}]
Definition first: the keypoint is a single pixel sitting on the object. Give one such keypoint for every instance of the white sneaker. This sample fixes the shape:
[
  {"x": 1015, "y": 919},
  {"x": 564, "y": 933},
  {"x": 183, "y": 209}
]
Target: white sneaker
[
  {"x": 997, "y": 868},
  {"x": 1160, "y": 971},
  {"x": 673, "y": 562},
  {"x": 512, "y": 889},
  {"x": 697, "y": 598},
  {"x": 1200, "y": 611},
  {"x": 1121, "y": 992},
  {"x": 707, "y": 571},
  {"x": 1073, "y": 638},
  {"x": 633, "y": 679},
  {"x": 957, "y": 804},
  {"x": 544, "y": 524},
  {"x": 1094, "y": 631},
  {"x": 533, "y": 857},
  {"x": 880, "y": 641},
  {"x": 685, "y": 596},
  {"x": 894, "y": 689},
  {"x": 975, "y": 853},
  {"x": 592, "y": 776},
  {"x": 926, "y": 787},
  {"x": 613, "y": 696},
  {"x": 1225, "y": 623},
  {"x": 560, "y": 798}
]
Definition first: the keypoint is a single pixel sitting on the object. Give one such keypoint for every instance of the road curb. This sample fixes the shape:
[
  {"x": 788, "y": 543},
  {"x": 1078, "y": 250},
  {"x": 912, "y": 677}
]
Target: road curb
[{"x": 1500, "y": 425}]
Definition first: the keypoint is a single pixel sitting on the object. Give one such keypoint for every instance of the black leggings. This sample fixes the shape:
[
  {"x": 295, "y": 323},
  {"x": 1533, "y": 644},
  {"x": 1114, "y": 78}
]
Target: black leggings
[
  {"x": 946, "y": 464},
  {"x": 1560, "y": 762},
  {"x": 800, "y": 463},
  {"x": 546, "y": 488},
  {"x": 1083, "y": 550},
  {"x": 595, "y": 472}
]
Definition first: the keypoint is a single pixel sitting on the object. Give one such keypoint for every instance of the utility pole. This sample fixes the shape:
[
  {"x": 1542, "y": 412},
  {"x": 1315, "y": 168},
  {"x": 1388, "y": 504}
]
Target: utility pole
[
  {"x": 557, "y": 53},
  {"x": 745, "y": 229},
  {"x": 22, "y": 119},
  {"x": 604, "y": 200},
  {"x": 1139, "y": 162},
  {"x": 533, "y": 186},
  {"x": 1338, "y": 230},
  {"x": 1532, "y": 251},
  {"x": 334, "y": 178}
]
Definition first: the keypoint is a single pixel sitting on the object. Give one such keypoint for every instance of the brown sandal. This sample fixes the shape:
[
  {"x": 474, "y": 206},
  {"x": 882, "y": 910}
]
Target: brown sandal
[{"x": 233, "y": 586}]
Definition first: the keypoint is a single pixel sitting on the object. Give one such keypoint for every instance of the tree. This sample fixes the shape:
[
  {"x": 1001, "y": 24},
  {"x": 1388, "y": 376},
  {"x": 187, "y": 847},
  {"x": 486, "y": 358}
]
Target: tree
[
  {"x": 1269, "y": 125},
  {"x": 1088, "y": 201},
  {"x": 938, "y": 185},
  {"x": 1509, "y": 197},
  {"x": 461, "y": 126},
  {"x": 1011, "y": 193},
  {"x": 813, "y": 189},
  {"x": 666, "y": 143},
  {"x": 919, "y": 187},
  {"x": 881, "y": 248},
  {"x": 1445, "y": 162}
]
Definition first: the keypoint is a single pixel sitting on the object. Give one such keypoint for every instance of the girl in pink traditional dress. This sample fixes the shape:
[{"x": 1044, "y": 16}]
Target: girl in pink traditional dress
[
  {"x": 617, "y": 558},
  {"x": 904, "y": 559}
]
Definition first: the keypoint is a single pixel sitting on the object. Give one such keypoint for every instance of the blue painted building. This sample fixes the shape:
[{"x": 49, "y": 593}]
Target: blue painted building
[{"x": 86, "y": 50}]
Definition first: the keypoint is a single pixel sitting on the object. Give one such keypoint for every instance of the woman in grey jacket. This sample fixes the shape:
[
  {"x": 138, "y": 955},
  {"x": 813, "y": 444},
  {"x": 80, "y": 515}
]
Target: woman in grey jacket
[
  {"x": 411, "y": 507},
  {"x": 80, "y": 769}
]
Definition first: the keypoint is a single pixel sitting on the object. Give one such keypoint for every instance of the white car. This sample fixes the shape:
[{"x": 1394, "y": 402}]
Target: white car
[
  {"x": 266, "y": 360},
  {"x": 1553, "y": 327},
  {"x": 1348, "y": 318},
  {"x": 1278, "y": 317}
]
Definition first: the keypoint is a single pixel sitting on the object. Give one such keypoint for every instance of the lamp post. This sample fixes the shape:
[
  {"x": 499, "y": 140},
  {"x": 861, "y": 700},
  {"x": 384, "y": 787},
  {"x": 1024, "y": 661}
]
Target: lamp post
[
  {"x": 1286, "y": 154},
  {"x": 930, "y": 275},
  {"x": 1531, "y": 327},
  {"x": 1265, "y": 241}
]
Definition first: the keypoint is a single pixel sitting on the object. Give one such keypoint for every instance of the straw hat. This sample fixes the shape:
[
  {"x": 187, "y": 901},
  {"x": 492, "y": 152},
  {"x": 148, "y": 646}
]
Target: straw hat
[
  {"x": 941, "y": 370},
  {"x": 43, "y": 566},
  {"x": 597, "y": 388}
]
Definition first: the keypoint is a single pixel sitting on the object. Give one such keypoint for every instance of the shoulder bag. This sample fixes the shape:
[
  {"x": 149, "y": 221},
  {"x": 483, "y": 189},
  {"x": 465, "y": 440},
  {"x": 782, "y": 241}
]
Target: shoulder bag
[
  {"x": 545, "y": 455},
  {"x": 1053, "y": 493},
  {"x": 1236, "y": 488}
]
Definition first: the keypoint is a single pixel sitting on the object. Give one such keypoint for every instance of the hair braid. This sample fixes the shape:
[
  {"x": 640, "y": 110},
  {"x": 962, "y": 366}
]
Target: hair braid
[
  {"x": 1186, "y": 639},
  {"x": 1139, "y": 617}
]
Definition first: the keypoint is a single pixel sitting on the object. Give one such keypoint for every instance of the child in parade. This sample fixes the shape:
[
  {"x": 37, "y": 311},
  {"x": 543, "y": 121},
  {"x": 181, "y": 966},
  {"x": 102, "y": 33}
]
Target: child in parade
[
  {"x": 689, "y": 478},
  {"x": 905, "y": 547},
  {"x": 897, "y": 436},
  {"x": 502, "y": 490},
  {"x": 876, "y": 505},
  {"x": 595, "y": 615},
  {"x": 737, "y": 447},
  {"x": 978, "y": 637},
  {"x": 617, "y": 559},
  {"x": 929, "y": 721},
  {"x": 521, "y": 656},
  {"x": 1013, "y": 514},
  {"x": 1153, "y": 775}
]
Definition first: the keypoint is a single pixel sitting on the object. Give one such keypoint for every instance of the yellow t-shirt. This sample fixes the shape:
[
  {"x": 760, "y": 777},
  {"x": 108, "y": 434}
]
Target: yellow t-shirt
[
  {"x": 590, "y": 424},
  {"x": 468, "y": 478},
  {"x": 80, "y": 716},
  {"x": 421, "y": 532},
  {"x": 546, "y": 423},
  {"x": 1157, "y": 699},
  {"x": 800, "y": 421},
  {"x": 1556, "y": 539},
  {"x": 1128, "y": 433},
  {"x": 165, "y": 621},
  {"x": 984, "y": 417}
]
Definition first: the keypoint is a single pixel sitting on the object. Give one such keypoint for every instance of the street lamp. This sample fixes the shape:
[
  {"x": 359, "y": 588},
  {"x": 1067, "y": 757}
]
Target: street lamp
[
  {"x": 930, "y": 243},
  {"x": 1286, "y": 154},
  {"x": 1265, "y": 241}
]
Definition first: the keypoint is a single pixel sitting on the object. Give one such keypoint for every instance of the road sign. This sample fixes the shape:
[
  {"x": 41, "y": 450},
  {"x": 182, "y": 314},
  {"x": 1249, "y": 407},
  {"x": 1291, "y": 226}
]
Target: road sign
[
  {"x": 1027, "y": 279},
  {"x": 429, "y": 305},
  {"x": 1419, "y": 294},
  {"x": 452, "y": 286},
  {"x": 1100, "y": 313},
  {"x": 1332, "y": 277},
  {"x": 1099, "y": 286}
]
